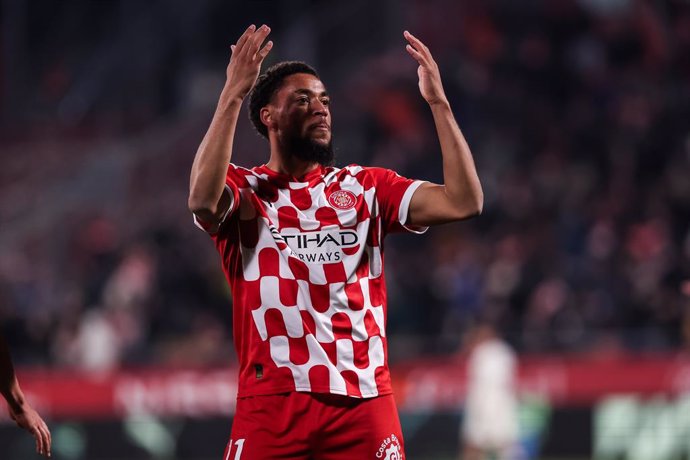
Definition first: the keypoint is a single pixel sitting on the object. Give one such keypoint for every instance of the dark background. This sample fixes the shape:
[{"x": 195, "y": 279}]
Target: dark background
[{"x": 577, "y": 113}]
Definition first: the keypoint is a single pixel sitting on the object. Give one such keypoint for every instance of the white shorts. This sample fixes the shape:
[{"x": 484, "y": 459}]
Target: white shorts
[{"x": 490, "y": 421}]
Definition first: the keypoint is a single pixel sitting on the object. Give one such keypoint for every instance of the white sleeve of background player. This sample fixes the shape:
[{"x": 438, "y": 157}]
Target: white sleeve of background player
[
  {"x": 213, "y": 229},
  {"x": 404, "y": 210}
]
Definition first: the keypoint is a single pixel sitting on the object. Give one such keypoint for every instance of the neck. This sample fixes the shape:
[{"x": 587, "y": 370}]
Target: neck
[{"x": 290, "y": 166}]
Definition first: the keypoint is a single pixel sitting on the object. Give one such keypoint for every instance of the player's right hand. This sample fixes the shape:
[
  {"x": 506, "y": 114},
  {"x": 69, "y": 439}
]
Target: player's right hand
[
  {"x": 247, "y": 56},
  {"x": 26, "y": 417}
]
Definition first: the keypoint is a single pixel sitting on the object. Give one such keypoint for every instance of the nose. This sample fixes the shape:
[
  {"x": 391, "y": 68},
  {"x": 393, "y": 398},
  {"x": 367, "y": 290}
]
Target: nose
[{"x": 319, "y": 108}]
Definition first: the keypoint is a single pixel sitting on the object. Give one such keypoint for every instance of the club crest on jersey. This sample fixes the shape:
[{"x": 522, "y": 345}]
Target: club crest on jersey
[
  {"x": 390, "y": 449},
  {"x": 342, "y": 199}
]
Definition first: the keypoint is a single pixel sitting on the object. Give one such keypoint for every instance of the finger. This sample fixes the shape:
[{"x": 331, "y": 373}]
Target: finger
[
  {"x": 414, "y": 40},
  {"x": 50, "y": 438},
  {"x": 415, "y": 54},
  {"x": 245, "y": 36},
  {"x": 256, "y": 40},
  {"x": 45, "y": 439},
  {"x": 265, "y": 50},
  {"x": 46, "y": 442},
  {"x": 416, "y": 43},
  {"x": 36, "y": 432},
  {"x": 232, "y": 49}
]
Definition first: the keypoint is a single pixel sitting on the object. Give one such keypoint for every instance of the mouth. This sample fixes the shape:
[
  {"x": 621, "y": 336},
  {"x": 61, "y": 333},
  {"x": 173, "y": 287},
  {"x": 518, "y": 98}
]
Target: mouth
[{"x": 320, "y": 126}]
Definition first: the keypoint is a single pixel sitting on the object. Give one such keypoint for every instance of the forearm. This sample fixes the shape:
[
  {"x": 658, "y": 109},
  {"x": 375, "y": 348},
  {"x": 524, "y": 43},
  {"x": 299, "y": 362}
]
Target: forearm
[
  {"x": 461, "y": 182},
  {"x": 9, "y": 387},
  {"x": 13, "y": 394},
  {"x": 215, "y": 151},
  {"x": 210, "y": 166}
]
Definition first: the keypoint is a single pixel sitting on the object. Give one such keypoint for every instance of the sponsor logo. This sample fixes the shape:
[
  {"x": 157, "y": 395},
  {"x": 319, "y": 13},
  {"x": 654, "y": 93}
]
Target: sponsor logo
[
  {"x": 342, "y": 199},
  {"x": 390, "y": 449},
  {"x": 319, "y": 247}
]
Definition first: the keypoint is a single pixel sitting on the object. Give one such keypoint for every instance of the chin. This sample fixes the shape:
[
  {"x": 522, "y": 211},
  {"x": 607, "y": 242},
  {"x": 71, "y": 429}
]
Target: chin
[
  {"x": 322, "y": 142},
  {"x": 320, "y": 136}
]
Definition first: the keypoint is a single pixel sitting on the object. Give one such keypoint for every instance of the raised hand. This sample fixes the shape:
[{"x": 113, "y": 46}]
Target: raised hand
[
  {"x": 247, "y": 56},
  {"x": 26, "y": 417},
  {"x": 429, "y": 76}
]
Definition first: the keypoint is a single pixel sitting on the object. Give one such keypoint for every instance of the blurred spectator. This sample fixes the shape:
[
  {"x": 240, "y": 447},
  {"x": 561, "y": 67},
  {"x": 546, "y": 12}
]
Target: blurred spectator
[{"x": 490, "y": 416}]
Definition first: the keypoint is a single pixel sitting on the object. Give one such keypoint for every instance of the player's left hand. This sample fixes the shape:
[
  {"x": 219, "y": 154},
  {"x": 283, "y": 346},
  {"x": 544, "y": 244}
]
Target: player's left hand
[
  {"x": 429, "y": 76},
  {"x": 26, "y": 417}
]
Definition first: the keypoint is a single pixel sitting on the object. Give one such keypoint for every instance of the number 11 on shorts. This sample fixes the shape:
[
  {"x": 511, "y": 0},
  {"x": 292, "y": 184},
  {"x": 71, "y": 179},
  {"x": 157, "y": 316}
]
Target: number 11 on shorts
[{"x": 239, "y": 444}]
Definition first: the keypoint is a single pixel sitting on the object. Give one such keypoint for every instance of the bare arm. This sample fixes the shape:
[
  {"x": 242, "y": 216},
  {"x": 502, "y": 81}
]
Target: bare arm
[
  {"x": 207, "y": 198},
  {"x": 461, "y": 195},
  {"x": 19, "y": 409}
]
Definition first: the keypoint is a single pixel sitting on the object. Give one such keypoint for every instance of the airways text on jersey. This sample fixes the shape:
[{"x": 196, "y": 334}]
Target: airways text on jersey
[{"x": 305, "y": 264}]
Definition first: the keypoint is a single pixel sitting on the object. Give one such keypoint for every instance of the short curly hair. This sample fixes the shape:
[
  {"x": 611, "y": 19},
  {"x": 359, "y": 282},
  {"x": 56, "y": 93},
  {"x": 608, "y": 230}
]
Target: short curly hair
[{"x": 268, "y": 84}]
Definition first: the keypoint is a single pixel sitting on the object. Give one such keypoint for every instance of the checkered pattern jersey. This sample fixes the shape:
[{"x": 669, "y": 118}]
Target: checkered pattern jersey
[{"x": 304, "y": 260}]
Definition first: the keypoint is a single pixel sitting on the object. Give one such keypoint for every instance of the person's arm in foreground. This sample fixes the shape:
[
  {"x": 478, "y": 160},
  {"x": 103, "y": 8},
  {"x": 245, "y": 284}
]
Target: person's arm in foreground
[
  {"x": 207, "y": 183},
  {"x": 461, "y": 195},
  {"x": 20, "y": 410}
]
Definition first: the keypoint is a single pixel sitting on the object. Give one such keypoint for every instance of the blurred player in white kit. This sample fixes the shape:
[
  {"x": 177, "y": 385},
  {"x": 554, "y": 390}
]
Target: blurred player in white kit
[{"x": 490, "y": 423}]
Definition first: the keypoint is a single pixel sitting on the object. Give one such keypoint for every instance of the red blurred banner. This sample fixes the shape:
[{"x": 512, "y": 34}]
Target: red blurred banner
[
  {"x": 422, "y": 385},
  {"x": 574, "y": 381},
  {"x": 165, "y": 392}
]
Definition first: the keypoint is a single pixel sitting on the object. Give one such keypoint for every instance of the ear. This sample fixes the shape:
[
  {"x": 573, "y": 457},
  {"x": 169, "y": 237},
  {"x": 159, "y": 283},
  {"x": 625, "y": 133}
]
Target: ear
[{"x": 265, "y": 116}]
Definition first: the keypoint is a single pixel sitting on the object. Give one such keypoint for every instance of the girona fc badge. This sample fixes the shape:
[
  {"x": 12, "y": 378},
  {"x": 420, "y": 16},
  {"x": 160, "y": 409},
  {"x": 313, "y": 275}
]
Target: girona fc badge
[
  {"x": 342, "y": 199},
  {"x": 390, "y": 449}
]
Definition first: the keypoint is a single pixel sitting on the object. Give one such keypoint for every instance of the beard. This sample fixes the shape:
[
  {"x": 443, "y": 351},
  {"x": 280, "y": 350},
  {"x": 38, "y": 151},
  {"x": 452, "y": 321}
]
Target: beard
[{"x": 307, "y": 149}]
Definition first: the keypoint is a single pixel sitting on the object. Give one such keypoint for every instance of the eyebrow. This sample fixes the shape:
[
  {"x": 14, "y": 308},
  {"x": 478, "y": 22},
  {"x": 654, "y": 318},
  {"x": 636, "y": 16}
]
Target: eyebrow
[{"x": 309, "y": 92}]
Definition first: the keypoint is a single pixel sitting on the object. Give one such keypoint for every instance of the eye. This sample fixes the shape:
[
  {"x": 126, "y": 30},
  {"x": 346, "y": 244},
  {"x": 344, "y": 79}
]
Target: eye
[
  {"x": 303, "y": 100},
  {"x": 326, "y": 101}
]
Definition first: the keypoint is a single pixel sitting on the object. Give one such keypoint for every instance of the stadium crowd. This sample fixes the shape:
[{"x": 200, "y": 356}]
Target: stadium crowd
[{"x": 577, "y": 113}]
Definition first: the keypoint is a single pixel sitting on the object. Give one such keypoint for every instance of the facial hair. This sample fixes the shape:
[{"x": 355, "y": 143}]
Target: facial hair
[{"x": 307, "y": 149}]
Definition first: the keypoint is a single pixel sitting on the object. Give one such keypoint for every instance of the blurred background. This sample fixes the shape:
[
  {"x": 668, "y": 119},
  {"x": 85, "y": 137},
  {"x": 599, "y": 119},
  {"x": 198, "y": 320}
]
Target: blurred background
[{"x": 578, "y": 114}]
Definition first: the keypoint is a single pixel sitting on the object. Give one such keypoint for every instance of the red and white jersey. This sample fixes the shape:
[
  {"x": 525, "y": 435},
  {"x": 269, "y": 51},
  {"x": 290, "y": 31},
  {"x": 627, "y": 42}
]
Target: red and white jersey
[{"x": 304, "y": 260}]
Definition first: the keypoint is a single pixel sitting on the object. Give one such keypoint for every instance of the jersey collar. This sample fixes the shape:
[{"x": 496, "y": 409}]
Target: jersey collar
[{"x": 283, "y": 180}]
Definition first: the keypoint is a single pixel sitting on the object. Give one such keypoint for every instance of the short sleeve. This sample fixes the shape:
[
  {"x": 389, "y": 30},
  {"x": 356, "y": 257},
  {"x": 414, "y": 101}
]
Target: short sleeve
[
  {"x": 233, "y": 194},
  {"x": 394, "y": 194}
]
